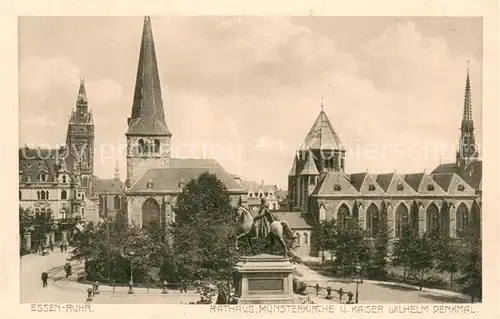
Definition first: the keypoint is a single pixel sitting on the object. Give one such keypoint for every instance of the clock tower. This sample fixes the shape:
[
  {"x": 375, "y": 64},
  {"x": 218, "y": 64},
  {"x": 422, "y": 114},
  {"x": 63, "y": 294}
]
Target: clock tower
[{"x": 80, "y": 138}]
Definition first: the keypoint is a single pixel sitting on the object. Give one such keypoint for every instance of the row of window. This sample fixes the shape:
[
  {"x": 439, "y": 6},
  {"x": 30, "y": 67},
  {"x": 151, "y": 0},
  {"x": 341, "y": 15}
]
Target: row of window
[
  {"x": 145, "y": 147},
  {"x": 259, "y": 195},
  {"x": 116, "y": 202},
  {"x": 44, "y": 195},
  {"x": 434, "y": 219}
]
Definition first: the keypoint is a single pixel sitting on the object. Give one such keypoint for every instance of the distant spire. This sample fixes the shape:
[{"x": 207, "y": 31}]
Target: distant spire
[
  {"x": 148, "y": 117},
  {"x": 82, "y": 94},
  {"x": 322, "y": 102},
  {"x": 117, "y": 172},
  {"x": 467, "y": 114}
]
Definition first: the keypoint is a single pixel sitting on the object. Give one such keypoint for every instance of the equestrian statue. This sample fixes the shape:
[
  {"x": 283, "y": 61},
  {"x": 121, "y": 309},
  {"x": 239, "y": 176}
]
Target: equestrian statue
[{"x": 263, "y": 225}]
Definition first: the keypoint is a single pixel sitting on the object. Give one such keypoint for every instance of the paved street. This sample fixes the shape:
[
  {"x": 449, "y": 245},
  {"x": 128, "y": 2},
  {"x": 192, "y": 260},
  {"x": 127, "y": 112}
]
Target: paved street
[
  {"x": 378, "y": 292},
  {"x": 62, "y": 290}
]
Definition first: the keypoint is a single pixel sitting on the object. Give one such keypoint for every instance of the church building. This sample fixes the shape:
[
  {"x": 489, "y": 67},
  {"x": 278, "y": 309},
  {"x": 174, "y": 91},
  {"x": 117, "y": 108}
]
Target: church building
[
  {"x": 449, "y": 197},
  {"x": 154, "y": 178}
]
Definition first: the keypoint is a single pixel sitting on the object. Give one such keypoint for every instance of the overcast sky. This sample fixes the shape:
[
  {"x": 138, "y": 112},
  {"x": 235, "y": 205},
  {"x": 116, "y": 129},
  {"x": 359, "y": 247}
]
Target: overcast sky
[{"x": 249, "y": 88}]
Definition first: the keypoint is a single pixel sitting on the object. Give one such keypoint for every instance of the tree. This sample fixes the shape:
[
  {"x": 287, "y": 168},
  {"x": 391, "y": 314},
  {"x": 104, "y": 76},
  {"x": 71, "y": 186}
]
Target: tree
[
  {"x": 379, "y": 251},
  {"x": 471, "y": 265},
  {"x": 447, "y": 260},
  {"x": 352, "y": 248},
  {"x": 401, "y": 254},
  {"x": 326, "y": 233},
  {"x": 421, "y": 257},
  {"x": 203, "y": 232}
]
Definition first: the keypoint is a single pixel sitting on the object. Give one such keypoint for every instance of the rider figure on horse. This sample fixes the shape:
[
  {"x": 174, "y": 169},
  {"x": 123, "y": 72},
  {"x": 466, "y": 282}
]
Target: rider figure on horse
[{"x": 262, "y": 222}]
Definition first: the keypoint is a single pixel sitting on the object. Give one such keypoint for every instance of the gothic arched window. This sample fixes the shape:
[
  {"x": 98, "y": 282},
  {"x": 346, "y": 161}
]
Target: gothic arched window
[
  {"x": 141, "y": 146},
  {"x": 116, "y": 202},
  {"x": 343, "y": 214},
  {"x": 298, "y": 238},
  {"x": 306, "y": 239},
  {"x": 401, "y": 219},
  {"x": 157, "y": 146},
  {"x": 64, "y": 194},
  {"x": 462, "y": 218},
  {"x": 372, "y": 219},
  {"x": 432, "y": 215}
]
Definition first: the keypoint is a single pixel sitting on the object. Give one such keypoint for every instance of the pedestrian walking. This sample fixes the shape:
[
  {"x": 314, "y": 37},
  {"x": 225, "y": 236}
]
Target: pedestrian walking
[
  {"x": 45, "y": 278},
  {"x": 51, "y": 247},
  {"x": 317, "y": 289},
  {"x": 65, "y": 246},
  {"x": 61, "y": 246}
]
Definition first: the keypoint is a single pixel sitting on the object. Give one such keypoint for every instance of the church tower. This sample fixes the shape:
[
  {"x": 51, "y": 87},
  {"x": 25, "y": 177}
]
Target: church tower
[
  {"x": 148, "y": 137},
  {"x": 321, "y": 152},
  {"x": 467, "y": 148},
  {"x": 80, "y": 138}
]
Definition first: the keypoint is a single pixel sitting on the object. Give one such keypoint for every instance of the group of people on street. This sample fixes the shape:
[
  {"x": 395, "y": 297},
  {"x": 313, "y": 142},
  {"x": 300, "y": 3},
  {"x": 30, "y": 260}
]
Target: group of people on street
[
  {"x": 63, "y": 246},
  {"x": 44, "y": 250}
]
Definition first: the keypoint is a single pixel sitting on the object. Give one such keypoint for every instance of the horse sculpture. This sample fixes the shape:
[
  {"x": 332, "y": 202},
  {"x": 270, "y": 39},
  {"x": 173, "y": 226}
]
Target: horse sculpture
[{"x": 246, "y": 229}]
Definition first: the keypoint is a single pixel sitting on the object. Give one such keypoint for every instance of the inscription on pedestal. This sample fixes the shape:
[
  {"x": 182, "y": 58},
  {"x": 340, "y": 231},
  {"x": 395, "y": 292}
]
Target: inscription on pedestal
[{"x": 265, "y": 284}]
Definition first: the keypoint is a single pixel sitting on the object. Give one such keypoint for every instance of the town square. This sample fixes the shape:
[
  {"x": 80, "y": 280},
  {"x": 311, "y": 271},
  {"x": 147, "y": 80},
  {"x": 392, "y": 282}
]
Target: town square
[{"x": 359, "y": 181}]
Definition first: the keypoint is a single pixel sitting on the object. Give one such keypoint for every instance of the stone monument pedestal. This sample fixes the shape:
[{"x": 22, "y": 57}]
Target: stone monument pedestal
[{"x": 263, "y": 279}]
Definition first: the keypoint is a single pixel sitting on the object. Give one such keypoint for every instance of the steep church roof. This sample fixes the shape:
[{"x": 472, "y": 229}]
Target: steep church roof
[
  {"x": 182, "y": 171},
  {"x": 322, "y": 136},
  {"x": 310, "y": 168},
  {"x": 148, "y": 116}
]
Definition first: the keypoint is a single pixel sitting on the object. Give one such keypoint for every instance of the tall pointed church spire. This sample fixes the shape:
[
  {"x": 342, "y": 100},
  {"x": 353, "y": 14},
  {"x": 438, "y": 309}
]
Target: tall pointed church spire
[
  {"x": 467, "y": 143},
  {"x": 82, "y": 94},
  {"x": 117, "y": 172},
  {"x": 148, "y": 117}
]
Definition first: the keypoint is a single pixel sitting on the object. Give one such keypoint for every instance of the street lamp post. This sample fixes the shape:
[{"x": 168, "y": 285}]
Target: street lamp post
[
  {"x": 358, "y": 276},
  {"x": 131, "y": 282}
]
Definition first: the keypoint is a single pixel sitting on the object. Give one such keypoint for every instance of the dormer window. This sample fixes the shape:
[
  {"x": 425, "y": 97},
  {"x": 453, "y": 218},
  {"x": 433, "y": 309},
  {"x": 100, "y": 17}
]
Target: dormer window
[
  {"x": 337, "y": 188},
  {"x": 150, "y": 183},
  {"x": 400, "y": 187},
  {"x": 430, "y": 187},
  {"x": 39, "y": 165},
  {"x": 461, "y": 187},
  {"x": 371, "y": 187}
]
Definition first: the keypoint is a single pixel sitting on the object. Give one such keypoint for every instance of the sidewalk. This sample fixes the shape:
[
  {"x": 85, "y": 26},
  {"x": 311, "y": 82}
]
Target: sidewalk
[
  {"x": 71, "y": 283},
  {"x": 311, "y": 277}
]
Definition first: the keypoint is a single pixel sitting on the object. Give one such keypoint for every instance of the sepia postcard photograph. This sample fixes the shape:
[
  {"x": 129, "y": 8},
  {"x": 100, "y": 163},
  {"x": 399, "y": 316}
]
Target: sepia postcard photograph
[{"x": 257, "y": 163}]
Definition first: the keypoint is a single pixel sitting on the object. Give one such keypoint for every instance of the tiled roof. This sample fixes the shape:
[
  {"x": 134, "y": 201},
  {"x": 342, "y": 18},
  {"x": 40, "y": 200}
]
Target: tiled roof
[
  {"x": 168, "y": 179},
  {"x": 310, "y": 167},
  {"x": 254, "y": 186},
  {"x": 148, "y": 117},
  {"x": 296, "y": 220},
  {"x": 293, "y": 170},
  {"x": 443, "y": 179},
  {"x": 335, "y": 183},
  {"x": 357, "y": 180},
  {"x": 446, "y": 168},
  {"x": 107, "y": 186},
  {"x": 414, "y": 180},
  {"x": 322, "y": 136},
  {"x": 473, "y": 174},
  {"x": 34, "y": 161},
  {"x": 384, "y": 180}
]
